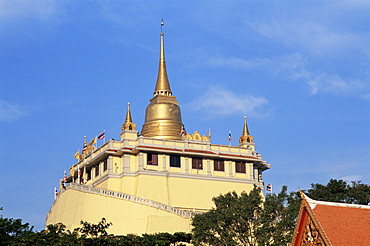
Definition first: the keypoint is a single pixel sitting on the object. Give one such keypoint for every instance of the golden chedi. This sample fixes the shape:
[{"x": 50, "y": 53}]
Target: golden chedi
[{"x": 162, "y": 116}]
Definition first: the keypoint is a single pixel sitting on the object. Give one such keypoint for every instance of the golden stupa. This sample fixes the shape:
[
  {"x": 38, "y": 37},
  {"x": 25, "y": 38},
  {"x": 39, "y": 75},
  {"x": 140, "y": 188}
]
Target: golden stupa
[{"x": 163, "y": 115}]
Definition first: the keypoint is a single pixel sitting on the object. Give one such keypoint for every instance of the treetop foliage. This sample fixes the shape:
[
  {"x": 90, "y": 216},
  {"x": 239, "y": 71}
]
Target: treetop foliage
[
  {"x": 248, "y": 219},
  {"x": 13, "y": 232},
  {"x": 341, "y": 191}
]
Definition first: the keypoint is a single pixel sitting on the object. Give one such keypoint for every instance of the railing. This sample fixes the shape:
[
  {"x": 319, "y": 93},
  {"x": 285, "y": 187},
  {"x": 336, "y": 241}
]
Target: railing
[{"x": 127, "y": 197}]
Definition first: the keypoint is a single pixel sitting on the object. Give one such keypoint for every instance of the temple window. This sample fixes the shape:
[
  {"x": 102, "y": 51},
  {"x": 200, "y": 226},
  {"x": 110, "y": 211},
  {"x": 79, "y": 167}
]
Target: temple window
[
  {"x": 175, "y": 161},
  {"x": 97, "y": 171},
  {"x": 219, "y": 165},
  {"x": 152, "y": 159},
  {"x": 105, "y": 165},
  {"x": 240, "y": 167},
  {"x": 88, "y": 174},
  {"x": 197, "y": 163}
]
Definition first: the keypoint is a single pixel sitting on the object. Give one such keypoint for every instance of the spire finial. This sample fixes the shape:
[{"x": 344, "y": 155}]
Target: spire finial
[
  {"x": 245, "y": 138},
  {"x": 128, "y": 125},
  {"x": 162, "y": 24},
  {"x": 162, "y": 86},
  {"x": 128, "y": 114},
  {"x": 245, "y": 129}
]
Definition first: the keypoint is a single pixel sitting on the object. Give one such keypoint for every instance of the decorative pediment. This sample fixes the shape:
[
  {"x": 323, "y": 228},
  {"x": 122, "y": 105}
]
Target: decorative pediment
[
  {"x": 196, "y": 136},
  {"x": 308, "y": 230},
  {"x": 311, "y": 235}
]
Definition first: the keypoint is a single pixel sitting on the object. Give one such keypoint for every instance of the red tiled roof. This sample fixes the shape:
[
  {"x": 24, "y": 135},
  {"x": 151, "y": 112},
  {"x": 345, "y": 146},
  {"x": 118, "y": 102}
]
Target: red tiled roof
[{"x": 344, "y": 224}]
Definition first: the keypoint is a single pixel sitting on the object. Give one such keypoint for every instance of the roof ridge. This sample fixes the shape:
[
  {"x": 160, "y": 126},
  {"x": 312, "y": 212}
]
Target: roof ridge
[{"x": 313, "y": 203}]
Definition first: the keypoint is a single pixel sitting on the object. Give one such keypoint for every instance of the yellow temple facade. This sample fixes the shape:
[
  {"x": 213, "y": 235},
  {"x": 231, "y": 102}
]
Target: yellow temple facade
[{"x": 155, "y": 180}]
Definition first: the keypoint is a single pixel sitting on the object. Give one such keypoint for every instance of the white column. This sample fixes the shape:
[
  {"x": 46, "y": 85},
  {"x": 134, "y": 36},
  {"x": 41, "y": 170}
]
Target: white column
[
  {"x": 230, "y": 169},
  {"x": 126, "y": 163},
  {"x": 110, "y": 164},
  {"x": 186, "y": 164},
  {"x": 250, "y": 170},
  {"x": 141, "y": 161},
  {"x": 255, "y": 173}
]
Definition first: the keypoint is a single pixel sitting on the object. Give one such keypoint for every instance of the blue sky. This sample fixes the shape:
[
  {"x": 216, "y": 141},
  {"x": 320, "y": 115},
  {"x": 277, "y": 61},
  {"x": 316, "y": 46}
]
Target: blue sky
[{"x": 298, "y": 70}]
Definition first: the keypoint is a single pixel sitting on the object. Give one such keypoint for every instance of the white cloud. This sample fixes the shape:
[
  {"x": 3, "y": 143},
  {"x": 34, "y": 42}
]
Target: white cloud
[
  {"x": 322, "y": 83},
  {"x": 292, "y": 62},
  {"x": 366, "y": 96},
  {"x": 238, "y": 62},
  {"x": 10, "y": 112},
  {"x": 15, "y": 9},
  {"x": 221, "y": 102},
  {"x": 293, "y": 66},
  {"x": 314, "y": 34}
]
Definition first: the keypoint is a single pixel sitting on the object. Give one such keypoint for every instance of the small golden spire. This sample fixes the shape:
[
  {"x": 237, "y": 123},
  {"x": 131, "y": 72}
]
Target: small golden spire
[
  {"x": 128, "y": 114},
  {"x": 162, "y": 86},
  {"x": 128, "y": 125},
  {"x": 245, "y": 138}
]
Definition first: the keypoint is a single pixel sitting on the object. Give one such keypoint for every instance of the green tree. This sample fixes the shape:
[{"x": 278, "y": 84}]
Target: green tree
[
  {"x": 359, "y": 193},
  {"x": 248, "y": 219},
  {"x": 278, "y": 219},
  {"x": 94, "y": 230},
  {"x": 53, "y": 235},
  {"x": 341, "y": 191},
  {"x": 12, "y": 230}
]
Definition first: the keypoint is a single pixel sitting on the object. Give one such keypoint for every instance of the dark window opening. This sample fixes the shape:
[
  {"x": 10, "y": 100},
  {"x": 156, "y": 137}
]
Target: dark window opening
[
  {"x": 240, "y": 167},
  {"x": 105, "y": 165},
  {"x": 88, "y": 174},
  {"x": 97, "y": 171},
  {"x": 152, "y": 159},
  {"x": 197, "y": 163},
  {"x": 175, "y": 161},
  {"x": 219, "y": 165}
]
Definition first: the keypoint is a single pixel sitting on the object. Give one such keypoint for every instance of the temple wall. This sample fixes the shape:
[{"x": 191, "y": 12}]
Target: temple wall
[{"x": 72, "y": 206}]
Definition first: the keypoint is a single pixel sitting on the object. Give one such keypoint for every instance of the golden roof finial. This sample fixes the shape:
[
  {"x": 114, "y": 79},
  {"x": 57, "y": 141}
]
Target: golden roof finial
[
  {"x": 162, "y": 86},
  {"x": 128, "y": 114},
  {"x": 163, "y": 115},
  {"x": 128, "y": 125},
  {"x": 245, "y": 138}
]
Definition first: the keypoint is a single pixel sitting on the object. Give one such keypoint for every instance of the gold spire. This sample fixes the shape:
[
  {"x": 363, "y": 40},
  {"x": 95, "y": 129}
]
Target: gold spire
[
  {"x": 128, "y": 125},
  {"x": 162, "y": 86},
  {"x": 128, "y": 114},
  {"x": 162, "y": 116},
  {"x": 245, "y": 138}
]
